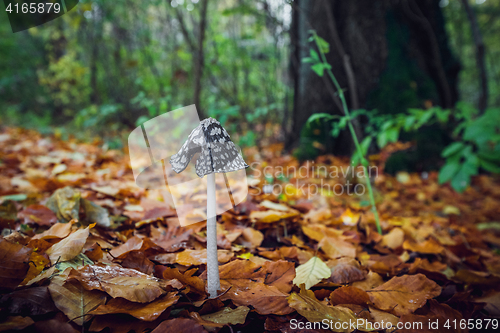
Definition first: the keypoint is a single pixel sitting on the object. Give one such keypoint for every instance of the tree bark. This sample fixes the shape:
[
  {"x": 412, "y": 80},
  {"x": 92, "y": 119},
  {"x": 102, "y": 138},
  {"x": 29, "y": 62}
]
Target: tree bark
[
  {"x": 371, "y": 43},
  {"x": 200, "y": 58},
  {"x": 480, "y": 51}
]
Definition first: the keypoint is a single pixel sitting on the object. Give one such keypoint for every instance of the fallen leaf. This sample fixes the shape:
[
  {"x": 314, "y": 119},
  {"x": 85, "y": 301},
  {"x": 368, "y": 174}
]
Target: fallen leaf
[
  {"x": 371, "y": 281},
  {"x": 143, "y": 311},
  {"x": 118, "y": 282},
  {"x": 311, "y": 273},
  {"x": 429, "y": 246},
  {"x": 179, "y": 325},
  {"x": 73, "y": 300},
  {"x": 404, "y": 294},
  {"x": 194, "y": 282},
  {"x": 345, "y": 270},
  {"x": 58, "y": 230},
  {"x": 69, "y": 247},
  {"x": 38, "y": 214},
  {"x": 95, "y": 213},
  {"x": 14, "y": 264},
  {"x": 313, "y": 310},
  {"x": 349, "y": 295},
  {"x": 65, "y": 203},
  {"x": 394, "y": 238},
  {"x": 15, "y": 323},
  {"x": 228, "y": 316},
  {"x": 28, "y": 302},
  {"x": 199, "y": 257},
  {"x": 38, "y": 263}
]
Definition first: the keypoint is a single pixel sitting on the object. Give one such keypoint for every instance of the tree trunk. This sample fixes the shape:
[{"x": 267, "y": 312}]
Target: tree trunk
[
  {"x": 389, "y": 55},
  {"x": 199, "y": 58}
]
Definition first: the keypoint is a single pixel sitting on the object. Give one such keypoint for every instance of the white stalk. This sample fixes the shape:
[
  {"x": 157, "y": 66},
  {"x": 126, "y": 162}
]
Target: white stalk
[{"x": 213, "y": 280}]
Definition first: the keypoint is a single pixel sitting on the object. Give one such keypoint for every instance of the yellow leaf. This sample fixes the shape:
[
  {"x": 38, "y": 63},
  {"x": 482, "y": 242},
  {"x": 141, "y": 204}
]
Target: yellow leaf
[{"x": 311, "y": 272}]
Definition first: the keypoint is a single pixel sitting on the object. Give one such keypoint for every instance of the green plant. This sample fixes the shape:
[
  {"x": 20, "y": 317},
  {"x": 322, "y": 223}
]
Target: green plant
[
  {"x": 476, "y": 145},
  {"x": 320, "y": 66}
]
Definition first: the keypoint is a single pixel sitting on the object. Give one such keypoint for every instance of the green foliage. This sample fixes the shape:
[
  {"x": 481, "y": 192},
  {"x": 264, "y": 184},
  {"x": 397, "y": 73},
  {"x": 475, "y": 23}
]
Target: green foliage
[{"x": 476, "y": 146}]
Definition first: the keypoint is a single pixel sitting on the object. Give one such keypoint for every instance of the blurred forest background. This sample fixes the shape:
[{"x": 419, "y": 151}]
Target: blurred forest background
[{"x": 107, "y": 66}]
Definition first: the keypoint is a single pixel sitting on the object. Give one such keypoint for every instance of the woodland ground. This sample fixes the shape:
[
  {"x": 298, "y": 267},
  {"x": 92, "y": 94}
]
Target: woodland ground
[{"x": 83, "y": 245}]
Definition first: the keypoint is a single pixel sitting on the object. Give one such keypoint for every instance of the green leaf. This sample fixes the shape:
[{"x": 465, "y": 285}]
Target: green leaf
[
  {"x": 14, "y": 197},
  {"x": 314, "y": 55},
  {"x": 447, "y": 172},
  {"x": 452, "y": 149},
  {"x": 489, "y": 166},
  {"x": 461, "y": 179},
  {"x": 425, "y": 117},
  {"x": 307, "y": 60},
  {"x": 318, "y": 69},
  {"x": 409, "y": 121},
  {"x": 393, "y": 134},
  {"x": 323, "y": 45},
  {"x": 382, "y": 139},
  {"x": 365, "y": 144}
]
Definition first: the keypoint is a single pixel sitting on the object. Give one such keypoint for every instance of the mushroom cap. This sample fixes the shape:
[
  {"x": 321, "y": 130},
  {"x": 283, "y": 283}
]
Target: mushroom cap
[{"x": 217, "y": 152}]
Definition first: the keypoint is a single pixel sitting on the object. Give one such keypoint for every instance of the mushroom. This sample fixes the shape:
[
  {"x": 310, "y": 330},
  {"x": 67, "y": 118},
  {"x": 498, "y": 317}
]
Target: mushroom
[{"x": 217, "y": 153}]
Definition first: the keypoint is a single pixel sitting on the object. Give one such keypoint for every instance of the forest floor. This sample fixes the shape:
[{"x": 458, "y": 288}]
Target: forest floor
[{"x": 121, "y": 261}]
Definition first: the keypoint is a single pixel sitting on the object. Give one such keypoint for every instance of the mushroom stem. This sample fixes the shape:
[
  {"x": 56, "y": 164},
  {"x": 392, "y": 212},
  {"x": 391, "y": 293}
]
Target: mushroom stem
[{"x": 213, "y": 280}]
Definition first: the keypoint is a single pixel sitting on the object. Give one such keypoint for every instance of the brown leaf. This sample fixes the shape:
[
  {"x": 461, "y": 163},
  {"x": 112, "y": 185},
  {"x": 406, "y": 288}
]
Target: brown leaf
[
  {"x": 57, "y": 324},
  {"x": 14, "y": 264},
  {"x": 135, "y": 243},
  {"x": 69, "y": 247},
  {"x": 16, "y": 323},
  {"x": 38, "y": 214},
  {"x": 336, "y": 247},
  {"x": 194, "y": 282},
  {"x": 95, "y": 213},
  {"x": 264, "y": 287},
  {"x": 383, "y": 318},
  {"x": 349, "y": 295},
  {"x": 429, "y": 246},
  {"x": 199, "y": 257},
  {"x": 228, "y": 316},
  {"x": 147, "y": 312},
  {"x": 371, "y": 281},
  {"x": 404, "y": 294},
  {"x": 58, "y": 230},
  {"x": 183, "y": 325},
  {"x": 32, "y": 302},
  {"x": 137, "y": 260},
  {"x": 73, "y": 300},
  {"x": 345, "y": 270},
  {"x": 118, "y": 282},
  {"x": 313, "y": 310}
]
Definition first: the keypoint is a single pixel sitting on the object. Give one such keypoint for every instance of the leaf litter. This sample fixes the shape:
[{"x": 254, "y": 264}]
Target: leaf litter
[{"x": 82, "y": 247}]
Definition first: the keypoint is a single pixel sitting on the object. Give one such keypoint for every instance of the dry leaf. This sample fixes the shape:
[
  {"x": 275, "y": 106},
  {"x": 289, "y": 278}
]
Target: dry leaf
[
  {"x": 69, "y": 247},
  {"x": 118, "y": 282},
  {"x": 14, "y": 265},
  {"x": 143, "y": 311},
  {"x": 404, "y": 294},
  {"x": 311, "y": 273},
  {"x": 73, "y": 300},
  {"x": 228, "y": 316},
  {"x": 309, "y": 307}
]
